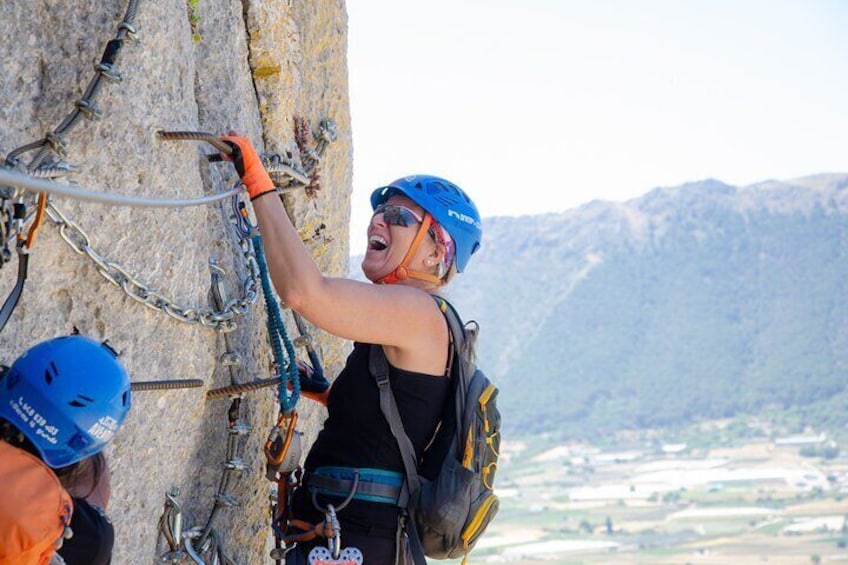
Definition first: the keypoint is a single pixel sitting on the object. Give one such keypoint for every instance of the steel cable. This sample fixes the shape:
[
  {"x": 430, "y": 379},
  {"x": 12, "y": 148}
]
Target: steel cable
[{"x": 12, "y": 178}]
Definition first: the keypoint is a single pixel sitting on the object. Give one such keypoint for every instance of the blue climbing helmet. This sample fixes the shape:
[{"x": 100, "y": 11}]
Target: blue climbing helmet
[
  {"x": 449, "y": 206},
  {"x": 68, "y": 396}
]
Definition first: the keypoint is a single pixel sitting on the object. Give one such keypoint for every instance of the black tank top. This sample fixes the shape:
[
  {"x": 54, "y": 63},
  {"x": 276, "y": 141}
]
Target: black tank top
[
  {"x": 356, "y": 434},
  {"x": 93, "y": 539}
]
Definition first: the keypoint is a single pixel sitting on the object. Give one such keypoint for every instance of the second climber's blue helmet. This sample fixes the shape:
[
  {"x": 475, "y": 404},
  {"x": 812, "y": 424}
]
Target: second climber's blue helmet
[
  {"x": 449, "y": 206},
  {"x": 68, "y": 396}
]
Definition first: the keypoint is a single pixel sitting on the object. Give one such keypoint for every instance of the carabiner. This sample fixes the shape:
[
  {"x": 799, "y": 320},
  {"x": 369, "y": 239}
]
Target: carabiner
[{"x": 280, "y": 438}]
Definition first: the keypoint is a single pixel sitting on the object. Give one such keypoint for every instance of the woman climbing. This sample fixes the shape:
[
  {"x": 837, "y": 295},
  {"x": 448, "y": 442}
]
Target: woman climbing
[
  {"x": 61, "y": 402},
  {"x": 423, "y": 231}
]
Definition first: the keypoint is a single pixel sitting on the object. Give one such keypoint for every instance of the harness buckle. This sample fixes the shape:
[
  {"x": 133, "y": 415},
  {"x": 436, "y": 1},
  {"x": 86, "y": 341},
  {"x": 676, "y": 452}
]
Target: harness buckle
[{"x": 382, "y": 380}]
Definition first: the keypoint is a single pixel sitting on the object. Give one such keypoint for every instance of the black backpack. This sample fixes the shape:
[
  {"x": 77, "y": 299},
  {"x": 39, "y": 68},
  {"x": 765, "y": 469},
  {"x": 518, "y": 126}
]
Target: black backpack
[{"x": 449, "y": 512}]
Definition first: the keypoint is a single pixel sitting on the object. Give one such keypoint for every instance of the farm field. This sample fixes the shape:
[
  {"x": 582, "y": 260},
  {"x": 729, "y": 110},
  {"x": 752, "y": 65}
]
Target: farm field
[{"x": 760, "y": 502}]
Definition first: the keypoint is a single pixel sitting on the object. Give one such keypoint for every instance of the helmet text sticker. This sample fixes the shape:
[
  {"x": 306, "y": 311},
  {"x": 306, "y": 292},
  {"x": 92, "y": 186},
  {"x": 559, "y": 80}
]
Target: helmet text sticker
[{"x": 35, "y": 420}]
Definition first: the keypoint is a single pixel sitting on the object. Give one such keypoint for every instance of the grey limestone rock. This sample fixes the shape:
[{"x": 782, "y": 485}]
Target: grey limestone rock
[{"x": 213, "y": 66}]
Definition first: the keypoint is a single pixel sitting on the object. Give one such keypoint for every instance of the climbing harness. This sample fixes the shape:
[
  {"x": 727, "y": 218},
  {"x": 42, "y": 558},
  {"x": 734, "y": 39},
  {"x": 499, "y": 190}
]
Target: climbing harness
[{"x": 373, "y": 485}]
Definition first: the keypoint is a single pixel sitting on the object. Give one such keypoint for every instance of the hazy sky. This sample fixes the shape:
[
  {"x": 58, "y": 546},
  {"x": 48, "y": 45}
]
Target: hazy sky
[{"x": 542, "y": 105}]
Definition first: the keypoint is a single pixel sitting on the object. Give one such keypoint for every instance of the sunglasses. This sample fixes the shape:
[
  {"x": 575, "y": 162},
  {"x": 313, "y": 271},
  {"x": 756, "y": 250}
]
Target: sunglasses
[{"x": 397, "y": 215}]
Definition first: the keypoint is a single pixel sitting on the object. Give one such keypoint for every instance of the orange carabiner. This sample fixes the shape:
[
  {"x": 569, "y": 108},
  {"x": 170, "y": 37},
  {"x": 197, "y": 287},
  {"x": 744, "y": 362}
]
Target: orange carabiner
[{"x": 279, "y": 440}]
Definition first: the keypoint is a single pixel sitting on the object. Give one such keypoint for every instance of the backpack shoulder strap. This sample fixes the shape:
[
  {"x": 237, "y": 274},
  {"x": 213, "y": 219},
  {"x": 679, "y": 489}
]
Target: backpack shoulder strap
[
  {"x": 457, "y": 333},
  {"x": 379, "y": 368},
  {"x": 457, "y": 337}
]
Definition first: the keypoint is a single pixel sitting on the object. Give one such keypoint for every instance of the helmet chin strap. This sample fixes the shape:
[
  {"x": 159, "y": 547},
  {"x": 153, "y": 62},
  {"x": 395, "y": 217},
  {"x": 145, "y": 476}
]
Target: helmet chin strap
[{"x": 403, "y": 272}]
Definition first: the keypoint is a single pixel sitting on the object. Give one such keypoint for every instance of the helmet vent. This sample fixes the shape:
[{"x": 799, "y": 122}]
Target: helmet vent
[
  {"x": 126, "y": 398},
  {"x": 444, "y": 200},
  {"x": 50, "y": 373},
  {"x": 81, "y": 401}
]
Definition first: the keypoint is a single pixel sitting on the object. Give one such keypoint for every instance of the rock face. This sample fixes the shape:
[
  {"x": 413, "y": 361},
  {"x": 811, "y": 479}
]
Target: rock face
[{"x": 211, "y": 66}]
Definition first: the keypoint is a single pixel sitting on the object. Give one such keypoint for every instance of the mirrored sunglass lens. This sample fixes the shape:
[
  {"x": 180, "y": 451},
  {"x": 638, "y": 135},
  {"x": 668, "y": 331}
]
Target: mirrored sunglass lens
[{"x": 396, "y": 215}]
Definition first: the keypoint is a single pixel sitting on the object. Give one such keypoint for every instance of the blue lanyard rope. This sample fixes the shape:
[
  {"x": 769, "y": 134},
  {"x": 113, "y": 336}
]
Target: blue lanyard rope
[{"x": 278, "y": 336}]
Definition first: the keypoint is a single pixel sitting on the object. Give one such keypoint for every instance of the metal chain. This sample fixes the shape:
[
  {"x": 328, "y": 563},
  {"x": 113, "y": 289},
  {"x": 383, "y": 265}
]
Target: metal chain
[
  {"x": 142, "y": 293},
  {"x": 77, "y": 238},
  {"x": 112, "y": 271}
]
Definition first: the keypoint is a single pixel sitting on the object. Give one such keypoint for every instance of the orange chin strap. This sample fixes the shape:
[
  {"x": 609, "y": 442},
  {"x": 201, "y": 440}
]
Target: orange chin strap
[{"x": 402, "y": 272}]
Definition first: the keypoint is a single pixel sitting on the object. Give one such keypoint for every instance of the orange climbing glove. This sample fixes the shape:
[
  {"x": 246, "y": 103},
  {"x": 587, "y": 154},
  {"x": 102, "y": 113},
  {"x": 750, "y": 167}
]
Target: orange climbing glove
[{"x": 249, "y": 167}]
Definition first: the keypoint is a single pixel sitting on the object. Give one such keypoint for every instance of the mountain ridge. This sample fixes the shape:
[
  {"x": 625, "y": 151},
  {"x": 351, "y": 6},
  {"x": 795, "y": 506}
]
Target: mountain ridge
[{"x": 700, "y": 301}]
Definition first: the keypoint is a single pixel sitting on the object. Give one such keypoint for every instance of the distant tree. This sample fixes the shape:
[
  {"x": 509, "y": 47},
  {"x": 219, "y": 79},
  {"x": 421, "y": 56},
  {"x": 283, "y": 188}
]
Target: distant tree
[
  {"x": 671, "y": 496},
  {"x": 830, "y": 452},
  {"x": 807, "y": 451}
]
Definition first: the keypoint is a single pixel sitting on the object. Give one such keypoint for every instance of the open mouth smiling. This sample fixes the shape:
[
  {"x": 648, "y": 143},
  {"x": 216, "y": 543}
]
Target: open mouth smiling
[{"x": 377, "y": 243}]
